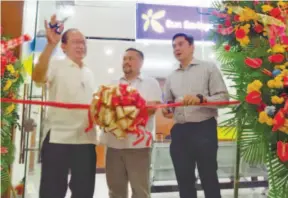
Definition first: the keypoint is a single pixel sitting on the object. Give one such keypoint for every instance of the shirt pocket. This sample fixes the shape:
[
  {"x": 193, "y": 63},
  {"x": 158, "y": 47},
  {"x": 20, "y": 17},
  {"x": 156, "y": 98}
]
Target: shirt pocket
[
  {"x": 73, "y": 87},
  {"x": 199, "y": 87}
]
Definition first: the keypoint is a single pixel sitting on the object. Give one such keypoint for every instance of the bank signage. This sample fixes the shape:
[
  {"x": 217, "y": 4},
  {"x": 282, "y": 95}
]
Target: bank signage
[{"x": 161, "y": 22}]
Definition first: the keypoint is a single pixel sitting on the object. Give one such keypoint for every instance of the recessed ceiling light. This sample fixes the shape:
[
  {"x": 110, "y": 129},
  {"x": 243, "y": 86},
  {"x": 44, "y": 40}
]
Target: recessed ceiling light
[
  {"x": 111, "y": 70},
  {"x": 108, "y": 52}
]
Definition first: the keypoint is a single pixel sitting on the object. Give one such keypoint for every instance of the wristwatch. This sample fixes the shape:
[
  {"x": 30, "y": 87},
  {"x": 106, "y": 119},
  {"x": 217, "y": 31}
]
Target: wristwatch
[{"x": 201, "y": 97}]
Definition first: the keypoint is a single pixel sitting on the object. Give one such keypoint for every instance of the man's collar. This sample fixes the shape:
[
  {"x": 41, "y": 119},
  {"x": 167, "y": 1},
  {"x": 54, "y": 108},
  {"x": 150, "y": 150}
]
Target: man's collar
[
  {"x": 140, "y": 77},
  {"x": 72, "y": 63},
  {"x": 193, "y": 62}
]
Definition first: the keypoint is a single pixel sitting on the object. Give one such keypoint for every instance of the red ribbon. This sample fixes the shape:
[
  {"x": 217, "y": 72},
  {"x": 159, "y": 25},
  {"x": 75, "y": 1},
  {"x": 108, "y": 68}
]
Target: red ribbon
[
  {"x": 149, "y": 140},
  {"x": 87, "y": 106},
  {"x": 90, "y": 124},
  {"x": 178, "y": 104},
  {"x": 139, "y": 132},
  {"x": 47, "y": 103}
]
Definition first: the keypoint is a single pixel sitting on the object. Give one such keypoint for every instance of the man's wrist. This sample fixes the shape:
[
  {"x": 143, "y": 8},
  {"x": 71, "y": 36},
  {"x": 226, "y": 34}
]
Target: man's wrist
[
  {"x": 201, "y": 98},
  {"x": 51, "y": 46}
]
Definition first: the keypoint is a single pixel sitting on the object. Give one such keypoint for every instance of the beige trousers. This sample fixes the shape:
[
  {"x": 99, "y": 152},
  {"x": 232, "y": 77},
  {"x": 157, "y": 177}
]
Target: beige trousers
[{"x": 128, "y": 165}]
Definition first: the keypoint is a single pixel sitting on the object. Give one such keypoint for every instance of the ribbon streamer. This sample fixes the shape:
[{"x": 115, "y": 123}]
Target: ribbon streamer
[
  {"x": 87, "y": 106},
  {"x": 12, "y": 43},
  {"x": 95, "y": 113}
]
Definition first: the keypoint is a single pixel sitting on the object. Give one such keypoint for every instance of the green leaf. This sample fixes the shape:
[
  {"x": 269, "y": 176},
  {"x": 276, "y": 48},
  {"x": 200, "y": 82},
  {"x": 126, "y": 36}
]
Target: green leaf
[
  {"x": 278, "y": 176},
  {"x": 5, "y": 180}
]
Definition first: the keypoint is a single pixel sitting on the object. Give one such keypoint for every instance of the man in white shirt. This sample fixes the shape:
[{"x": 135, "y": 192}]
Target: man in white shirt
[
  {"x": 66, "y": 146},
  {"x": 125, "y": 162}
]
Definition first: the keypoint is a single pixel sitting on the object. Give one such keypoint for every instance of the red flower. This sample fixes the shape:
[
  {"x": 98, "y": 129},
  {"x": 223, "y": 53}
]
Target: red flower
[
  {"x": 11, "y": 95},
  {"x": 227, "y": 47},
  {"x": 258, "y": 28},
  {"x": 284, "y": 40},
  {"x": 27, "y": 37},
  {"x": 236, "y": 18},
  {"x": 19, "y": 189},
  {"x": 254, "y": 97},
  {"x": 266, "y": 72},
  {"x": 13, "y": 59},
  {"x": 261, "y": 107},
  {"x": 278, "y": 120},
  {"x": 285, "y": 81},
  {"x": 4, "y": 150},
  {"x": 275, "y": 12},
  {"x": 282, "y": 151},
  {"x": 3, "y": 65},
  {"x": 240, "y": 33},
  {"x": 253, "y": 62},
  {"x": 9, "y": 54},
  {"x": 276, "y": 58},
  {"x": 227, "y": 23}
]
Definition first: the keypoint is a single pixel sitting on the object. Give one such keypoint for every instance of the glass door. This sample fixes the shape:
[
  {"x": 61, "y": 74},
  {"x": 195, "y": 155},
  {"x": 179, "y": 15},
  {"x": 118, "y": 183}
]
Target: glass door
[
  {"x": 29, "y": 159},
  {"x": 31, "y": 140}
]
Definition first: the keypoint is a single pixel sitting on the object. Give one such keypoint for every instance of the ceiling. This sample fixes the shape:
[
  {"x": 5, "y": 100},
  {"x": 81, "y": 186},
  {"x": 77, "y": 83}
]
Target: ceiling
[{"x": 206, "y": 3}]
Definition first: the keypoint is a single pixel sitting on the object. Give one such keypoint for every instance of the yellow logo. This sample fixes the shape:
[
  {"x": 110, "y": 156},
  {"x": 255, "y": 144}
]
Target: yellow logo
[{"x": 151, "y": 18}]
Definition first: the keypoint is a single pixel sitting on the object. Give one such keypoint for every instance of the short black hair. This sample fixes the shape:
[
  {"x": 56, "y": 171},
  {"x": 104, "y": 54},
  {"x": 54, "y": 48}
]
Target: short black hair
[
  {"x": 64, "y": 37},
  {"x": 188, "y": 38},
  {"x": 140, "y": 53}
]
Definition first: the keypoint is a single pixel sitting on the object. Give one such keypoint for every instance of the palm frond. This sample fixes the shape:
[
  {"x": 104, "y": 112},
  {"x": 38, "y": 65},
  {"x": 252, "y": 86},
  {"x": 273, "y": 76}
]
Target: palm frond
[
  {"x": 253, "y": 147},
  {"x": 5, "y": 180},
  {"x": 277, "y": 177}
]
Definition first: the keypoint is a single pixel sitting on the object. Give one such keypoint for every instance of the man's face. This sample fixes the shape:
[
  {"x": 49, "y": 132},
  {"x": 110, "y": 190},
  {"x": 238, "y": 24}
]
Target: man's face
[
  {"x": 75, "y": 47},
  {"x": 132, "y": 62},
  {"x": 182, "y": 49}
]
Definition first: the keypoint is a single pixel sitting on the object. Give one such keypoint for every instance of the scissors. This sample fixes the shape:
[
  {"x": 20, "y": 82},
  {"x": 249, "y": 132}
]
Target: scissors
[{"x": 56, "y": 26}]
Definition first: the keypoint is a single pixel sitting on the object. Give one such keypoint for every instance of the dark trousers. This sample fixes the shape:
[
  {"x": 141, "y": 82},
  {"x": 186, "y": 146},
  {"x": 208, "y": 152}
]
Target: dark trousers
[
  {"x": 195, "y": 143},
  {"x": 60, "y": 159}
]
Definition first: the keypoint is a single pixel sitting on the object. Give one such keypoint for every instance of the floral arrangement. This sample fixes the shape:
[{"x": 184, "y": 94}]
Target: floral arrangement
[
  {"x": 252, "y": 45},
  {"x": 12, "y": 77}
]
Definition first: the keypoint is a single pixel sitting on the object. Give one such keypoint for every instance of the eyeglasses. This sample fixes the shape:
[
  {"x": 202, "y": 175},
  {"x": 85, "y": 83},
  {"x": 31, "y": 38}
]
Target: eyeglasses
[{"x": 78, "y": 42}]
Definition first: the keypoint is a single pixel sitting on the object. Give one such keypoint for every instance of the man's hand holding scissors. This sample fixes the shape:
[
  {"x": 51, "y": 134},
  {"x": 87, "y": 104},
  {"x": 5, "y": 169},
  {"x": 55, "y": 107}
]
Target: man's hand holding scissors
[{"x": 54, "y": 30}]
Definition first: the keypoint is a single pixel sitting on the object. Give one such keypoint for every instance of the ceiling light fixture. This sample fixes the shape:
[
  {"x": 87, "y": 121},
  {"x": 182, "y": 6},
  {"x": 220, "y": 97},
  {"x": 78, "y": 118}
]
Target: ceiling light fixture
[
  {"x": 111, "y": 70},
  {"x": 108, "y": 52}
]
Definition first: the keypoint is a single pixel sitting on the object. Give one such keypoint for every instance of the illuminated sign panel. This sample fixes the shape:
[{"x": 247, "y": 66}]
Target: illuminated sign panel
[{"x": 163, "y": 21}]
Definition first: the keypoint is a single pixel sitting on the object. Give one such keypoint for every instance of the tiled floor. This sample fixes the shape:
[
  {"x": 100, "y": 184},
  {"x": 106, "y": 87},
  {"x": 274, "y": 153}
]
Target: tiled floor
[{"x": 101, "y": 190}]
